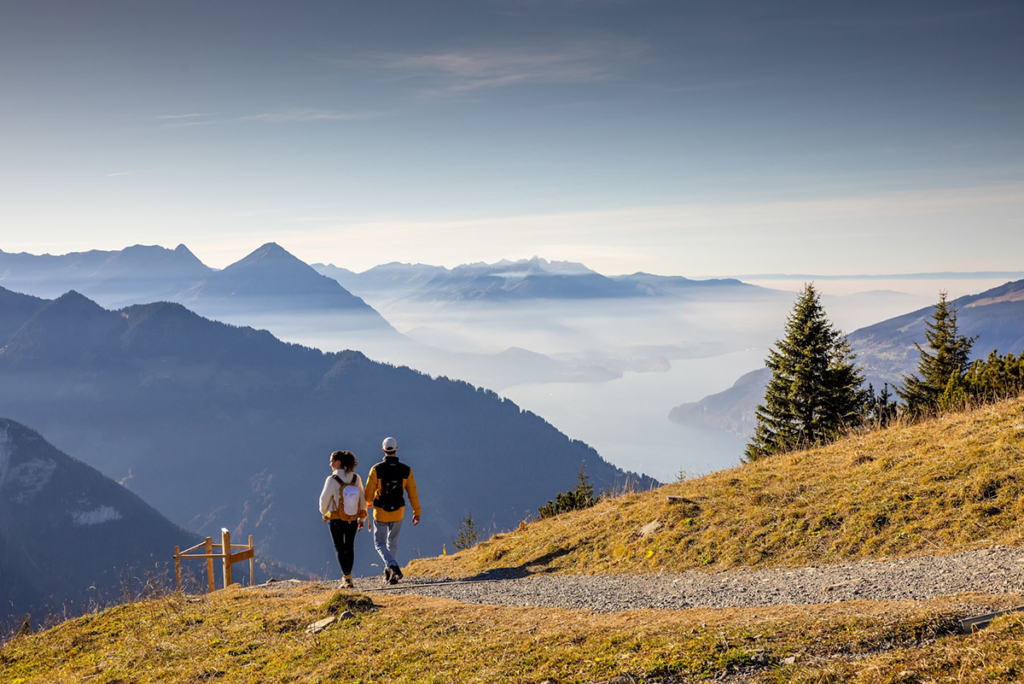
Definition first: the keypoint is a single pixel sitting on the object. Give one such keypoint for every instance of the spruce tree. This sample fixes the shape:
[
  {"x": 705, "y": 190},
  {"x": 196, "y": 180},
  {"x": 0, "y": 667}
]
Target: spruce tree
[
  {"x": 578, "y": 498},
  {"x": 942, "y": 364},
  {"x": 815, "y": 389},
  {"x": 882, "y": 409},
  {"x": 469, "y": 533}
]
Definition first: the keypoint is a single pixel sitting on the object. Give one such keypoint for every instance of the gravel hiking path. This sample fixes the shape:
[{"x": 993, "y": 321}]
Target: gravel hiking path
[{"x": 989, "y": 571}]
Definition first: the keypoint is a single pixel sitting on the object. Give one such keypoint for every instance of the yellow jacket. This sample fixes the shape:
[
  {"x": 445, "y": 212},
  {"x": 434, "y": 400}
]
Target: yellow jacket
[{"x": 408, "y": 486}]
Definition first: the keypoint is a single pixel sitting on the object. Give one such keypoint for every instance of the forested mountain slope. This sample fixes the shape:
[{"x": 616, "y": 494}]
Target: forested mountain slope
[
  {"x": 995, "y": 316},
  {"x": 217, "y": 425},
  {"x": 69, "y": 535}
]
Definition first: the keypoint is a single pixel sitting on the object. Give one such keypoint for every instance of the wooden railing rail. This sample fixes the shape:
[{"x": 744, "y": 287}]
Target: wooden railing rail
[{"x": 225, "y": 554}]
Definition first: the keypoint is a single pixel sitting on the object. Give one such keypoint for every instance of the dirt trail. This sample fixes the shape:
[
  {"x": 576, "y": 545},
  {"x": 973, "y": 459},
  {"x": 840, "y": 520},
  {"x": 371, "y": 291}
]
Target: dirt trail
[{"x": 989, "y": 571}]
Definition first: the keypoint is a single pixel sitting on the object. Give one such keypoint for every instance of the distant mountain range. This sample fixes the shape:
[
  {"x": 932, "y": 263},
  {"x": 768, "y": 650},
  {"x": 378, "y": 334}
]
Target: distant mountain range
[
  {"x": 269, "y": 280},
  {"x": 886, "y": 351},
  {"x": 647, "y": 284},
  {"x": 937, "y": 275},
  {"x": 272, "y": 288},
  {"x": 217, "y": 425},
  {"x": 69, "y": 535},
  {"x": 148, "y": 273},
  {"x": 506, "y": 280},
  {"x": 272, "y": 278},
  {"x": 393, "y": 279}
]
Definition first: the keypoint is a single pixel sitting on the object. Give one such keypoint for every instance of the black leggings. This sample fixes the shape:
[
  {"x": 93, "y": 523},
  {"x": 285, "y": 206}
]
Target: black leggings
[{"x": 344, "y": 535}]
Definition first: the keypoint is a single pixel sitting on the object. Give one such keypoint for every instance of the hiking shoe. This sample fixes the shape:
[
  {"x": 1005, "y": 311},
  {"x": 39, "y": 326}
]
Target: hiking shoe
[
  {"x": 389, "y": 576},
  {"x": 397, "y": 572},
  {"x": 348, "y": 583}
]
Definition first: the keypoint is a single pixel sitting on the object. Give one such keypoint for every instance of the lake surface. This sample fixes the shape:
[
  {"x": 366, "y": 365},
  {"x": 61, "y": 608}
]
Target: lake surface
[{"x": 626, "y": 420}]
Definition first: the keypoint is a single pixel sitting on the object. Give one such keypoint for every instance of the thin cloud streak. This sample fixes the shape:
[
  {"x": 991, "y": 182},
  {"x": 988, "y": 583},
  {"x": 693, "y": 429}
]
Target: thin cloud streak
[
  {"x": 180, "y": 116},
  {"x": 190, "y": 124},
  {"x": 276, "y": 116},
  {"x": 297, "y": 115},
  {"x": 464, "y": 70}
]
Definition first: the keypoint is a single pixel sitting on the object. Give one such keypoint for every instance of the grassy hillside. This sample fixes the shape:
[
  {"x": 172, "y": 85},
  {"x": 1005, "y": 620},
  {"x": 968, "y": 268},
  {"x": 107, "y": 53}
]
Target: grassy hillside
[
  {"x": 259, "y": 635},
  {"x": 944, "y": 485},
  {"x": 948, "y": 484}
]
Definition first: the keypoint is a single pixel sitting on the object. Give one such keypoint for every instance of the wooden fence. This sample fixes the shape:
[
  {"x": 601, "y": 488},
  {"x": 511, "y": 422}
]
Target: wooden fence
[{"x": 228, "y": 558}]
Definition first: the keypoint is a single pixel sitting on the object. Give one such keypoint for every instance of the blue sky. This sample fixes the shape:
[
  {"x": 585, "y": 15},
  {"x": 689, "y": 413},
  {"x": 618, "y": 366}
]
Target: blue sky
[{"x": 675, "y": 137}]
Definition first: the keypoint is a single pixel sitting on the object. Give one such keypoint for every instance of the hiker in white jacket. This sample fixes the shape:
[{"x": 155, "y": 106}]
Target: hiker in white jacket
[{"x": 343, "y": 505}]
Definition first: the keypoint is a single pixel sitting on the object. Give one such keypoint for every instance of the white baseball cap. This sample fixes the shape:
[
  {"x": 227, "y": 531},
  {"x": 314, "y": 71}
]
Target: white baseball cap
[{"x": 390, "y": 444}]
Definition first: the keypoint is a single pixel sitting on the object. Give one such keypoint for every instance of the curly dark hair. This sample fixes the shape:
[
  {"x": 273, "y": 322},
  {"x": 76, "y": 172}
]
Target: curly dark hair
[{"x": 347, "y": 459}]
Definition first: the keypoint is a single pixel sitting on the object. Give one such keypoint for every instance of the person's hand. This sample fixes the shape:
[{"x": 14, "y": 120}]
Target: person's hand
[
  {"x": 325, "y": 517},
  {"x": 360, "y": 525},
  {"x": 415, "y": 520}
]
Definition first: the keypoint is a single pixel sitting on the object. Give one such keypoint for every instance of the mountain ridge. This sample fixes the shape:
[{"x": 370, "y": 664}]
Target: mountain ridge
[
  {"x": 268, "y": 280},
  {"x": 120, "y": 386},
  {"x": 510, "y": 280},
  {"x": 67, "y": 532}
]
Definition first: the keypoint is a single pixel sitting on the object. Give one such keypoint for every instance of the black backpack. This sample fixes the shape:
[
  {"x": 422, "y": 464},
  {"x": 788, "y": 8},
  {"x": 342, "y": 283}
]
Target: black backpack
[{"x": 391, "y": 474}]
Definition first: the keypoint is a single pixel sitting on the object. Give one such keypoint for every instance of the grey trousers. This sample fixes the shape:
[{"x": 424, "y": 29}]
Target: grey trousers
[{"x": 385, "y": 540}]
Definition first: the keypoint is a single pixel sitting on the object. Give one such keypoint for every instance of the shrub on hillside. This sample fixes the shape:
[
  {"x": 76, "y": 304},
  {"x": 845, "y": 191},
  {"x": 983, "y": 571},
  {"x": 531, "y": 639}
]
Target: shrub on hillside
[
  {"x": 576, "y": 499},
  {"x": 469, "y": 533}
]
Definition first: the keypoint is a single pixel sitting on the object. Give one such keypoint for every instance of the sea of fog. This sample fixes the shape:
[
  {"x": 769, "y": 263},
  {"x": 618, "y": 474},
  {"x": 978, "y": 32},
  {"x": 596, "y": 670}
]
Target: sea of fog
[{"x": 626, "y": 420}]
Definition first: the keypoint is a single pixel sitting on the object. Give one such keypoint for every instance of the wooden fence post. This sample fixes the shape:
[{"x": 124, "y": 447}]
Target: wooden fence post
[
  {"x": 252, "y": 564},
  {"x": 209, "y": 565},
  {"x": 225, "y": 543},
  {"x": 177, "y": 568},
  {"x": 227, "y": 556}
]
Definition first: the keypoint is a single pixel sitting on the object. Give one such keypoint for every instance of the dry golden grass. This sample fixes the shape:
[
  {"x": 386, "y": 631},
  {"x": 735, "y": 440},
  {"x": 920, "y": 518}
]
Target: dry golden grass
[
  {"x": 948, "y": 484},
  {"x": 993, "y": 655},
  {"x": 258, "y": 636}
]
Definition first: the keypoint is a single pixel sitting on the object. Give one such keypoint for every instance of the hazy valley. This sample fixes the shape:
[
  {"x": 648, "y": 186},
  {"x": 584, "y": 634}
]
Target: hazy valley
[{"x": 604, "y": 359}]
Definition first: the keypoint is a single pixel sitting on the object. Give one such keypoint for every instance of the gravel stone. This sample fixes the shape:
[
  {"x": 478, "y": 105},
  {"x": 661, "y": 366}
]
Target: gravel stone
[{"x": 997, "y": 570}]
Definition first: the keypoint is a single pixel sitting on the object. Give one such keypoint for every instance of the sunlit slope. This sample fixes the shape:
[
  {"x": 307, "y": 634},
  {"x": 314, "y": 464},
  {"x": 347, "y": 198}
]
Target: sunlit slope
[
  {"x": 260, "y": 635},
  {"x": 948, "y": 484}
]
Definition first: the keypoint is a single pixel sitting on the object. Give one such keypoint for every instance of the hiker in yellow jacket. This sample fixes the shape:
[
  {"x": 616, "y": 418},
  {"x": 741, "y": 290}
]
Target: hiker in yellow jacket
[{"x": 386, "y": 486}]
